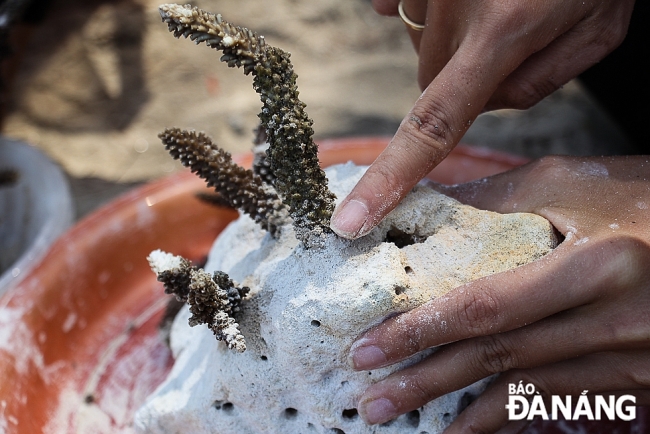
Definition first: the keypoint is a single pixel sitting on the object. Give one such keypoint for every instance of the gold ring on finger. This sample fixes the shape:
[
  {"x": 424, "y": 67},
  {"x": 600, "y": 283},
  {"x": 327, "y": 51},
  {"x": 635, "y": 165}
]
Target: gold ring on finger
[{"x": 409, "y": 23}]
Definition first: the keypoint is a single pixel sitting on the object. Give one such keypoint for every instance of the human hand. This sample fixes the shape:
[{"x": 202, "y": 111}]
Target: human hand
[
  {"x": 475, "y": 56},
  {"x": 577, "y": 319}
]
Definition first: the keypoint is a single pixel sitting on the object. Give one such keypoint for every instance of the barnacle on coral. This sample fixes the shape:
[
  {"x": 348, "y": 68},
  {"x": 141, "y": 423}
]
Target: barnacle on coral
[
  {"x": 292, "y": 153},
  {"x": 238, "y": 187},
  {"x": 214, "y": 300}
]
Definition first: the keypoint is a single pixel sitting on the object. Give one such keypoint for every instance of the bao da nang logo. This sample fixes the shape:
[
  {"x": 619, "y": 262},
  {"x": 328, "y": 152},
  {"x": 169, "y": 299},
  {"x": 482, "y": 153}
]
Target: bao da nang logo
[{"x": 525, "y": 402}]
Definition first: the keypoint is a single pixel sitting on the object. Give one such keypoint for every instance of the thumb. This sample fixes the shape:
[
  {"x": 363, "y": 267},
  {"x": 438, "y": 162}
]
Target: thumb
[{"x": 427, "y": 134}]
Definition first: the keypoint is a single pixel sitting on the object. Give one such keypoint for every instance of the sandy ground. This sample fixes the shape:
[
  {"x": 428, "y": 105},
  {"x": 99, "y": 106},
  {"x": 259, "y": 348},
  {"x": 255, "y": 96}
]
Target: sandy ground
[{"x": 99, "y": 79}]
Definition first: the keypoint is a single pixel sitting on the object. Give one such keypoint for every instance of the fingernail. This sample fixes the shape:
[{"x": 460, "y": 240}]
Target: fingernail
[
  {"x": 349, "y": 218},
  {"x": 367, "y": 357},
  {"x": 379, "y": 410}
]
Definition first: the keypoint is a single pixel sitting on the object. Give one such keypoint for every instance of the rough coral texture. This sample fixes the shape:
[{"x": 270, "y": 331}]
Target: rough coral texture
[
  {"x": 262, "y": 164},
  {"x": 214, "y": 300},
  {"x": 173, "y": 271},
  {"x": 298, "y": 178},
  {"x": 292, "y": 152},
  {"x": 214, "y": 199},
  {"x": 307, "y": 307},
  {"x": 238, "y": 187}
]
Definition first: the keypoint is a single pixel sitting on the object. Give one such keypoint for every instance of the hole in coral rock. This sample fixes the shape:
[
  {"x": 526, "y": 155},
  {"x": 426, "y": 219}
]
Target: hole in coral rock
[
  {"x": 399, "y": 290},
  {"x": 337, "y": 431},
  {"x": 402, "y": 239},
  {"x": 290, "y": 413},
  {"x": 413, "y": 418},
  {"x": 315, "y": 323},
  {"x": 350, "y": 413},
  {"x": 446, "y": 418},
  {"x": 408, "y": 270},
  {"x": 264, "y": 358},
  {"x": 465, "y": 401},
  {"x": 223, "y": 405}
]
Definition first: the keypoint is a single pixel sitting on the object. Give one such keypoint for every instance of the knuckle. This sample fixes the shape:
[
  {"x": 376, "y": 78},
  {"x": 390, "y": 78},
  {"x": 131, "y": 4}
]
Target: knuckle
[
  {"x": 638, "y": 373},
  {"x": 551, "y": 169},
  {"x": 422, "y": 389},
  {"x": 621, "y": 263},
  {"x": 414, "y": 333},
  {"x": 432, "y": 124},
  {"x": 504, "y": 15},
  {"x": 479, "y": 311},
  {"x": 522, "y": 94},
  {"x": 493, "y": 355},
  {"x": 610, "y": 32}
]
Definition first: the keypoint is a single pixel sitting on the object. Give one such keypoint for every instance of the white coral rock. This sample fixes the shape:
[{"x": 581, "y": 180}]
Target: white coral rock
[{"x": 307, "y": 307}]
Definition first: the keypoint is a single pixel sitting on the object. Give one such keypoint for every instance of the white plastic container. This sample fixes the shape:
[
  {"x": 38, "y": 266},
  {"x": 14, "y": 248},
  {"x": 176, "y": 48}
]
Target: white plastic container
[{"x": 34, "y": 210}]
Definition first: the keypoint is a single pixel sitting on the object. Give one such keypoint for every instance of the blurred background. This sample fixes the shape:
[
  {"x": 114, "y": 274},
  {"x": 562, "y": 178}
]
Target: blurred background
[{"x": 92, "y": 82}]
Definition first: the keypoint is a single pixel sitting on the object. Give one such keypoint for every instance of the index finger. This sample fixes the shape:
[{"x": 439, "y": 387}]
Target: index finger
[{"x": 427, "y": 134}]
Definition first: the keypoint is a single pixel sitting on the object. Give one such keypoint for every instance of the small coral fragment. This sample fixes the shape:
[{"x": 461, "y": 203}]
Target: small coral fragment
[
  {"x": 173, "y": 271},
  {"x": 214, "y": 300}
]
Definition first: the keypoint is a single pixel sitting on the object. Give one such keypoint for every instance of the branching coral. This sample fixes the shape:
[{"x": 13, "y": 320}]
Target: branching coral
[
  {"x": 173, "y": 271},
  {"x": 214, "y": 300},
  {"x": 237, "y": 187},
  {"x": 289, "y": 166},
  {"x": 297, "y": 177}
]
